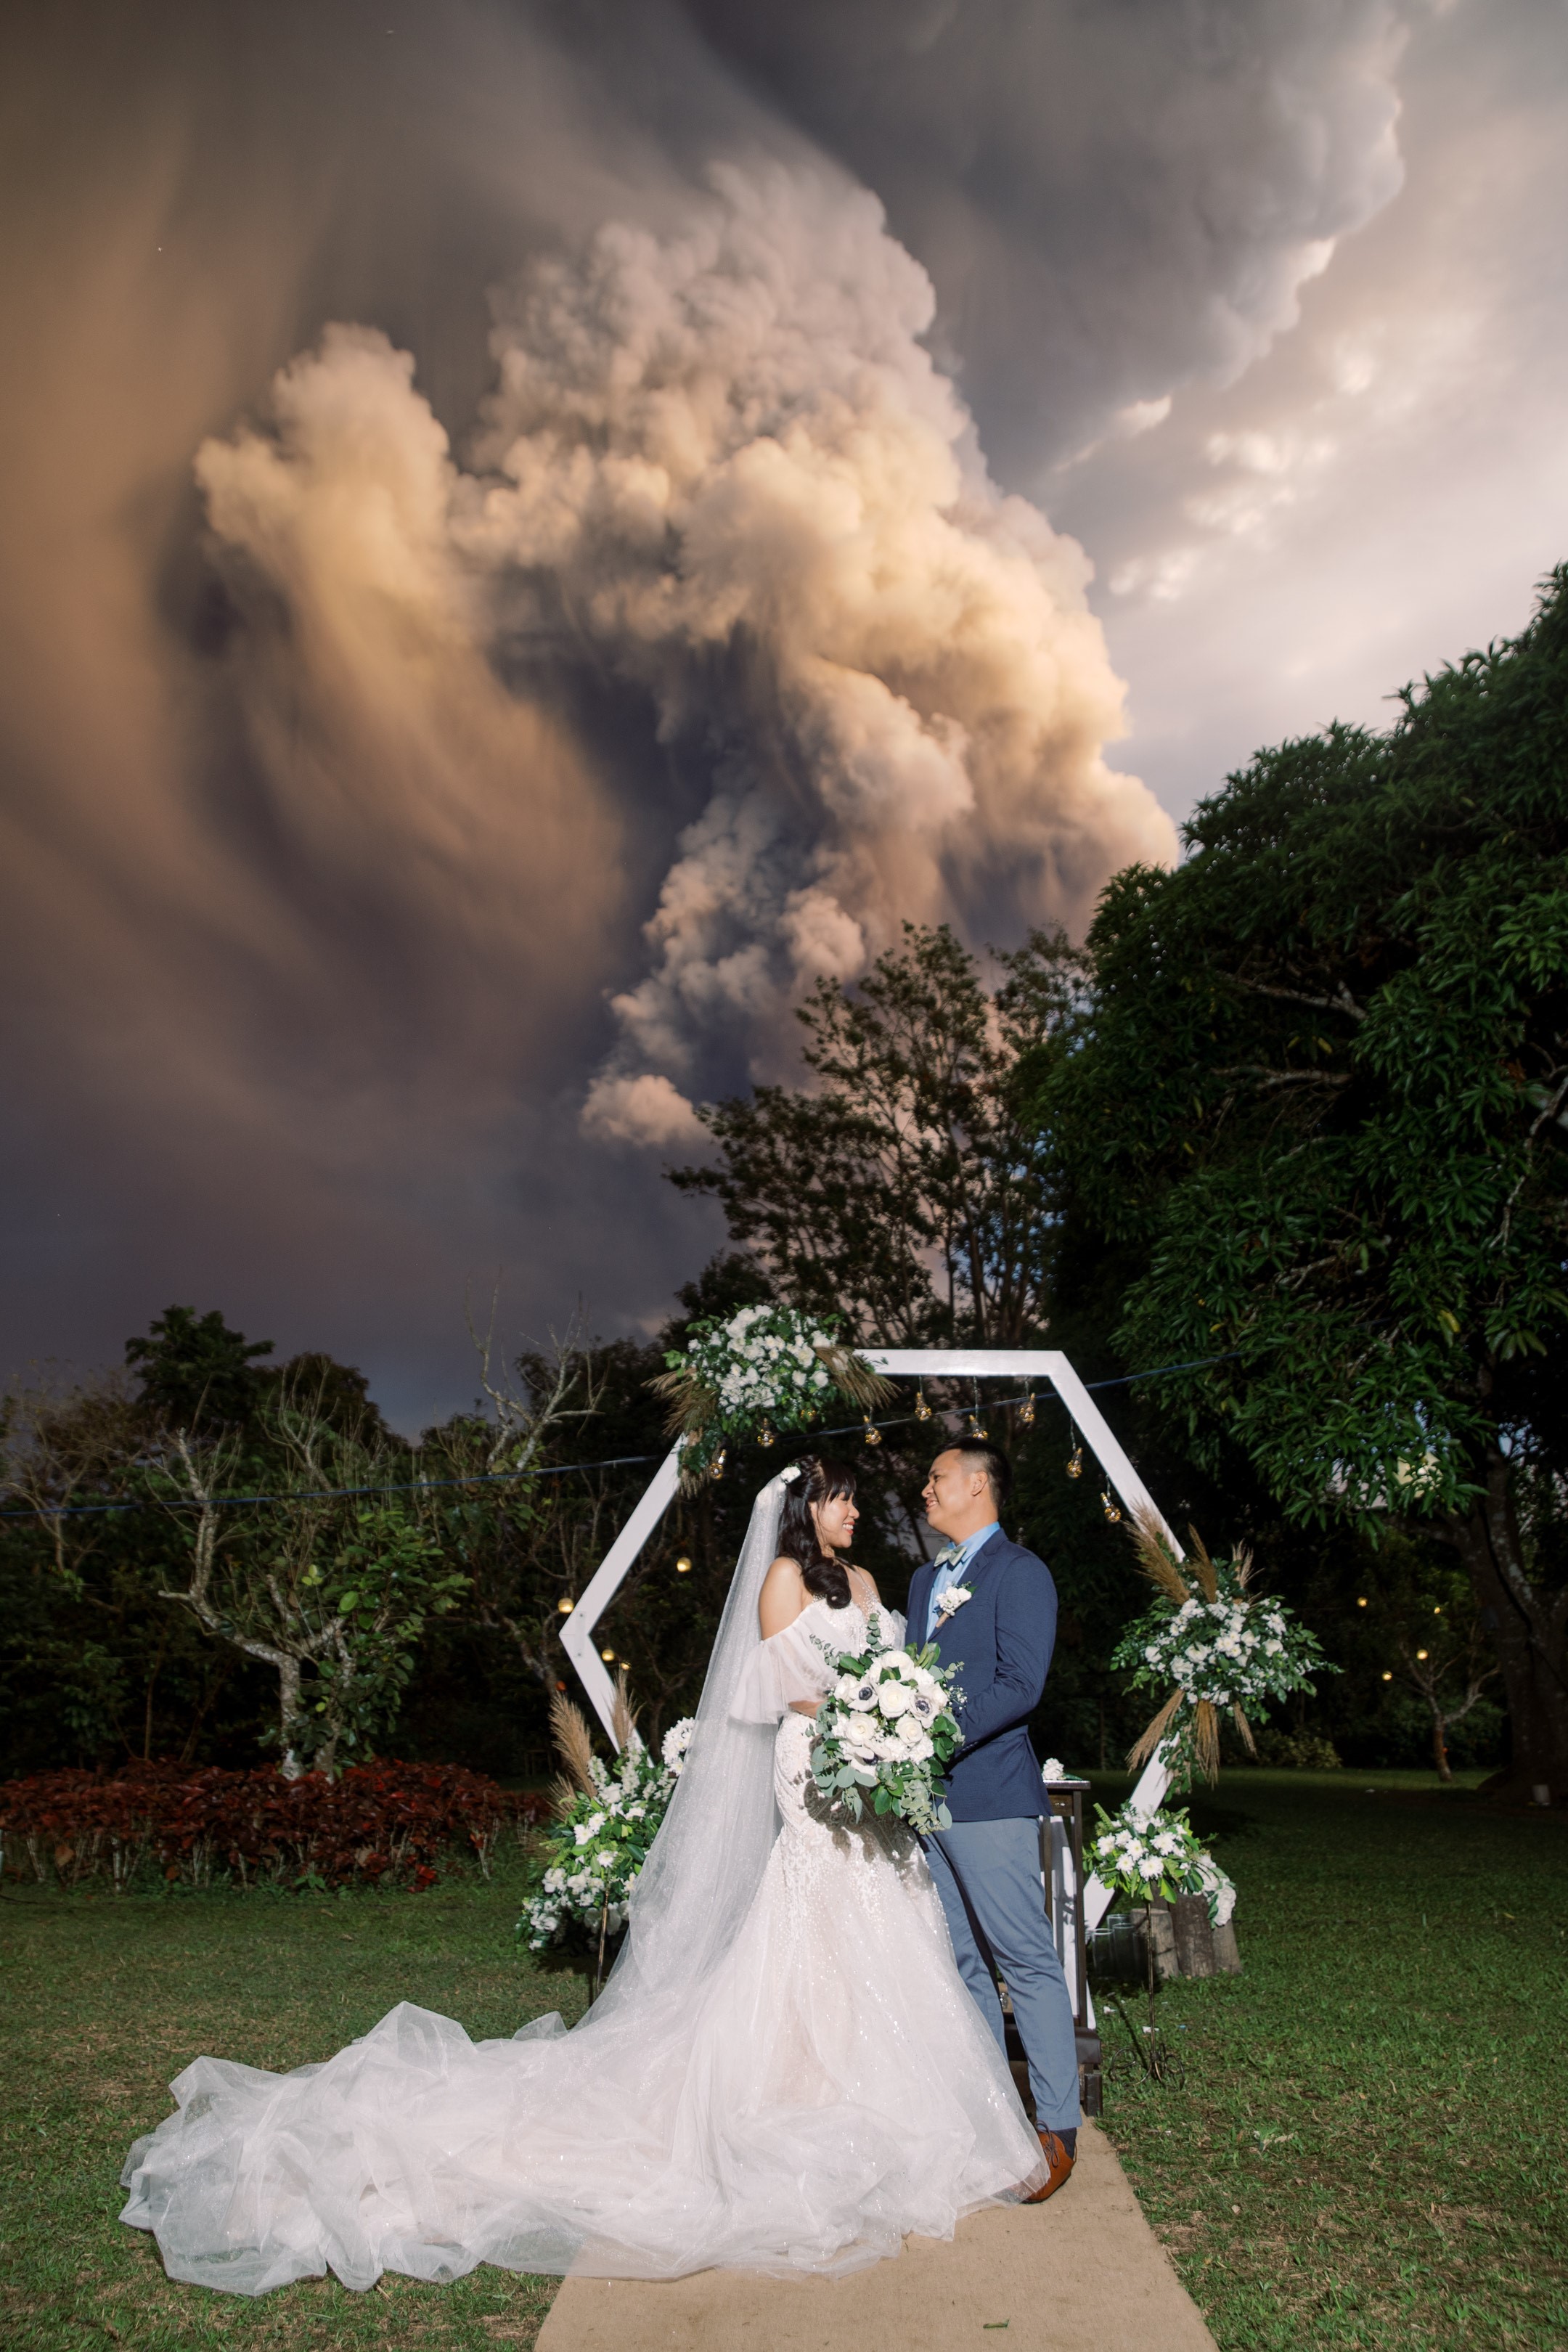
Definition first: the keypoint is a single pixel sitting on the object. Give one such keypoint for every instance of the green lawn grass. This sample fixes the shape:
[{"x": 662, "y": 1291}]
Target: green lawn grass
[
  {"x": 1372, "y": 2146},
  {"x": 106, "y": 2000},
  {"x": 1369, "y": 2150}
]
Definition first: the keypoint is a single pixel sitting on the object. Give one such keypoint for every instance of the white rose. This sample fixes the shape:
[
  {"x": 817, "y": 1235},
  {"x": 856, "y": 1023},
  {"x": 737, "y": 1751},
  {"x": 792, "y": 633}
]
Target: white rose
[
  {"x": 893, "y": 1698},
  {"x": 846, "y": 1689}
]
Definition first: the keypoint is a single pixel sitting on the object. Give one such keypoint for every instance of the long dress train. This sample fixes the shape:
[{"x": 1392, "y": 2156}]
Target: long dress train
[{"x": 828, "y": 2087}]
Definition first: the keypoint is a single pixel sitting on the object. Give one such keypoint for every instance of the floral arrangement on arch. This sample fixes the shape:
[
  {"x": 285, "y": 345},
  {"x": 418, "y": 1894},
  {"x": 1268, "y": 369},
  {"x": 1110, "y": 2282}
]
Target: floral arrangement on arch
[
  {"x": 1147, "y": 1854},
  {"x": 606, "y": 1818},
  {"x": 1219, "y": 1644},
  {"x": 763, "y": 1372}
]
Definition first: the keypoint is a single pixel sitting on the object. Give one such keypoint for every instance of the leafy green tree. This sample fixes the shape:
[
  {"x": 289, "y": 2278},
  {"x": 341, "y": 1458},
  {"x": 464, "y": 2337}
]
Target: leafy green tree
[
  {"x": 1318, "y": 1102},
  {"x": 331, "y": 1586},
  {"x": 1421, "y": 1615},
  {"x": 902, "y": 1187},
  {"x": 94, "y": 1666},
  {"x": 195, "y": 1373}
]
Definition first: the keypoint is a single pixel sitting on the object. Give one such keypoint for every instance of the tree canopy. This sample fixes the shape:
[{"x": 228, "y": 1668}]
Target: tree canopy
[
  {"x": 901, "y": 1187},
  {"x": 1319, "y": 1094}
]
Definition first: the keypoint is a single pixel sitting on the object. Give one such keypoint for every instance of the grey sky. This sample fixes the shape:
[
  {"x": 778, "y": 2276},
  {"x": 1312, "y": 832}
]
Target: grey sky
[{"x": 425, "y": 775}]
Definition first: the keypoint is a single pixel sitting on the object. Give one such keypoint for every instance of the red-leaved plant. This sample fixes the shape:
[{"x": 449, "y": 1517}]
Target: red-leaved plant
[{"x": 376, "y": 1823}]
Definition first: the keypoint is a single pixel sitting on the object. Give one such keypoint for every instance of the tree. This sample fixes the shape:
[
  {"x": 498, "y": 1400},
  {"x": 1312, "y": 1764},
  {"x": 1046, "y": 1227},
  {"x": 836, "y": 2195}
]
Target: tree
[
  {"x": 1424, "y": 1616},
  {"x": 903, "y": 1188},
  {"x": 331, "y": 1585},
  {"x": 194, "y": 1371},
  {"x": 94, "y": 1666},
  {"x": 1316, "y": 1098}
]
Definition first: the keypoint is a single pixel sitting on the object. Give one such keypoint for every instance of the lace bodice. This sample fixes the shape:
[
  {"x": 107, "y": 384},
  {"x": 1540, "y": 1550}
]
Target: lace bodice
[{"x": 800, "y": 1662}]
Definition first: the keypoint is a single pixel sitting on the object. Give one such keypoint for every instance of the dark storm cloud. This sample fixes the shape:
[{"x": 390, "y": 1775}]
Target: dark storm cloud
[
  {"x": 495, "y": 590},
  {"x": 1112, "y": 200}
]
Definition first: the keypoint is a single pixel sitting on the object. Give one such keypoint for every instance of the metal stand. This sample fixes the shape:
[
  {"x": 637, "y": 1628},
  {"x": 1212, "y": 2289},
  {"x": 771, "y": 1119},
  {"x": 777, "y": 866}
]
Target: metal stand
[
  {"x": 1061, "y": 1869},
  {"x": 1062, "y": 1890}
]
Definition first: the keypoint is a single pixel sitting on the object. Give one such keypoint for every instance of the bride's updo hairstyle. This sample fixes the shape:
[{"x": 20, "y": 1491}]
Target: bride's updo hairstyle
[{"x": 820, "y": 1481}]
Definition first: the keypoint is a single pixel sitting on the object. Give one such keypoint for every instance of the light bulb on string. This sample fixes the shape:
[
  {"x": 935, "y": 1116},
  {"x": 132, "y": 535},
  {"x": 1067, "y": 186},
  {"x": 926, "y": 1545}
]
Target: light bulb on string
[
  {"x": 1026, "y": 1411},
  {"x": 683, "y": 1565},
  {"x": 608, "y": 1656},
  {"x": 977, "y": 1429},
  {"x": 1112, "y": 1510},
  {"x": 565, "y": 1606},
  {"x": 1075, "y": 1459},
  {"x": 873, "y": 1435},
  {"x": 922, "y": 1409},
  {"x": 716, "y": 1467},
  {"x": 766, "y": 1435}
]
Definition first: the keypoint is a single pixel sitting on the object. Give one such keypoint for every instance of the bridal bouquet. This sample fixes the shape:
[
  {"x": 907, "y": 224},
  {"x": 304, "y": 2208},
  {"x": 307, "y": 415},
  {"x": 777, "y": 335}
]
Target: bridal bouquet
[
  {"x": 886, "y": 1732},
  {"x": 1159, "y": 1853},
  {"x": 1217, "y": 1643},
  {"x": 764, "y": 1371}
]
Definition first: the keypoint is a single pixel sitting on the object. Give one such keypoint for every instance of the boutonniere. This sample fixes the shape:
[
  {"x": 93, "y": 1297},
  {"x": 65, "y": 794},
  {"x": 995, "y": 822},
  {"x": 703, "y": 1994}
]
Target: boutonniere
[{"x": 949, "y": 1603}]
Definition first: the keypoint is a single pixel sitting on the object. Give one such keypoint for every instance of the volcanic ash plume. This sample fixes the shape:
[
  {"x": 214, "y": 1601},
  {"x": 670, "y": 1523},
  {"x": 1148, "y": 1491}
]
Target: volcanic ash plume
[{"x": 721, "y": 469}]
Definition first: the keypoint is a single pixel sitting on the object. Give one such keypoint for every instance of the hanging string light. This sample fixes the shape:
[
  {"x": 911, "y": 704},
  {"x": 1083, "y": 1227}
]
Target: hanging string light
[
  {"x": 717, "y": 1469},
  {"x": 683, "y": 1565},
  {"x": 565, "y": 1606},
  {"x": 977, "y": 1429},
  {"x": 1112, "y": 1509},
  {"x": 1026, "y": 1411},
  {"x": 922, "y": 1409},
  {"x": 873, "y": 1435},
  {"x": 765, "y": 1434},
  {"x": 1075, "y": 1459}
]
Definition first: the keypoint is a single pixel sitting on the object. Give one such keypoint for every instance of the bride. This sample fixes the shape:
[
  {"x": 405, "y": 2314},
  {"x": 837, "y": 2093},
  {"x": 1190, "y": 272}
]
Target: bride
[{"x": 785, "y": 2073}]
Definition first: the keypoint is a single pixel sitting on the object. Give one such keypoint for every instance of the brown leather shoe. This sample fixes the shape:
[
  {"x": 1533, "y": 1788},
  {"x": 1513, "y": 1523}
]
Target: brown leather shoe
[{"x": 1059, "y": 2165}]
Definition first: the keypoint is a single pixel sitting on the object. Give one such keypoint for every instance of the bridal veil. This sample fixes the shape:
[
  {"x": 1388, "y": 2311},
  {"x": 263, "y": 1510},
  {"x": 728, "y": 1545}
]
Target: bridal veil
[{"x": 784, "y": 2072}]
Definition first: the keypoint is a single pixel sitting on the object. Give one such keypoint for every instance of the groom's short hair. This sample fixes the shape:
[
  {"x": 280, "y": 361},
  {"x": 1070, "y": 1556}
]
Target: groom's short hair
[{"x": 978, "y": 1455}]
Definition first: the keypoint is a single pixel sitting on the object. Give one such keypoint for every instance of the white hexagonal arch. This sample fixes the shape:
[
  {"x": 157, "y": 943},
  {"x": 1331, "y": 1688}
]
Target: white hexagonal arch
[{"x": 979, "y": 1363}]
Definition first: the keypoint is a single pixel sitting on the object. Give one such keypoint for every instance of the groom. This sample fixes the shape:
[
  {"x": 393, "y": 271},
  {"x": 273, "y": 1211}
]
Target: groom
[{"x": 991, "y": 1608}]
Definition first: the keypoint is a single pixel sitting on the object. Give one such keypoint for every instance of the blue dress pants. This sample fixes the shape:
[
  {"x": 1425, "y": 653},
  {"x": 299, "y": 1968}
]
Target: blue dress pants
[{"x": 988, "y": 1876}]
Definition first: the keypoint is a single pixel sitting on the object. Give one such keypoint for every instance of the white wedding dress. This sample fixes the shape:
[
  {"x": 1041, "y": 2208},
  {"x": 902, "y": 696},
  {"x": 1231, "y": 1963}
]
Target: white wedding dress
[{"x": 784, "y": 2074}]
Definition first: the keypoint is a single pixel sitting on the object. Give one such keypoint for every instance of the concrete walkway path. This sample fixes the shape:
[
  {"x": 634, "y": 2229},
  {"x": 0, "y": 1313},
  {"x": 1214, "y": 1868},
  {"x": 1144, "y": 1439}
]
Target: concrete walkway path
[{"x": 1083, "y": 2273}]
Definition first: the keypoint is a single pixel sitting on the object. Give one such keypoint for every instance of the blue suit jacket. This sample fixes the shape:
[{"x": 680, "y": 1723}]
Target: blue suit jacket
[{"x": 1001, "y": 1640}]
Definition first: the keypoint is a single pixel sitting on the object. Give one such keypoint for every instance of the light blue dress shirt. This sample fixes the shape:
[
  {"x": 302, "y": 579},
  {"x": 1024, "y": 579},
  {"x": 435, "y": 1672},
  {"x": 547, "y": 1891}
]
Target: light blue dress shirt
[{"x": 953, "y": 1572}]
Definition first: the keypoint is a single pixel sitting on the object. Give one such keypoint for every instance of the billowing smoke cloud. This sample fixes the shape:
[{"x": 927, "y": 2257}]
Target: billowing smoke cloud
[
  {"x": 383, "y": 778},
  {"x": 720, "y": 464},
  {"x": 1112, "y": 201}
]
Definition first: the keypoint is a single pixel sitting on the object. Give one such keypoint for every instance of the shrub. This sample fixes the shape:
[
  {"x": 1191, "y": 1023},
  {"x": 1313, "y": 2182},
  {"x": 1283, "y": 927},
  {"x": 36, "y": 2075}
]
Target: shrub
[
  {"x": 376, "y": 1823},
  {"x": 1301, "y": 1751}
]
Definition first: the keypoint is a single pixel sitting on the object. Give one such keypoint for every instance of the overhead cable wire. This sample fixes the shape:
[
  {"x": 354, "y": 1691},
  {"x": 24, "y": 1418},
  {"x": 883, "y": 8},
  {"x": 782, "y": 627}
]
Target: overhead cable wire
[{"x": 540, "y": 1470}]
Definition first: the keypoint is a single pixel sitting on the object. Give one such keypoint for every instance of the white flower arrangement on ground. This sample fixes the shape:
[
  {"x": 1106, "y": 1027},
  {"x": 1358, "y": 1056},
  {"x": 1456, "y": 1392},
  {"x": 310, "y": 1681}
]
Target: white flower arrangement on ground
[
  {"x": 1218, "y": 1644},
  {"x": 765, "y": 1372},
  {"x": 677, "y": 1745},
  {"x": 1145, "y": 1856},
  {"x": 597, "y": 1844},
  {"x": 886, "y": 1732}
]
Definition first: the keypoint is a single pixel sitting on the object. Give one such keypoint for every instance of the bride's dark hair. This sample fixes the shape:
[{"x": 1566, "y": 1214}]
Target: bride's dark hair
[{"x": 820, "y": 1481}]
